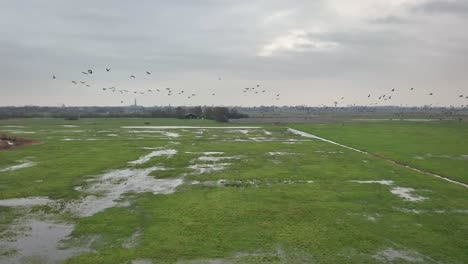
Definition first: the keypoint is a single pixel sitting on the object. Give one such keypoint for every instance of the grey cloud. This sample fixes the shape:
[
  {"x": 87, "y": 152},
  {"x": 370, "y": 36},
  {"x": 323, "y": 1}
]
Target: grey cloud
[
  {"x": 396, "y": 20},
  {"x": 189, "y": 44},
  {"x": 458, "y": 7}
]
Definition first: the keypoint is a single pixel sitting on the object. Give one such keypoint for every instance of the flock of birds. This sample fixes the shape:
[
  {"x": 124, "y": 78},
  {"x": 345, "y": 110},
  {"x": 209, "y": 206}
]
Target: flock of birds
[
  {"x": 386, "y": 97},
  {"x": 246, "y": 91},
  {"x": 170, "y": 91}
]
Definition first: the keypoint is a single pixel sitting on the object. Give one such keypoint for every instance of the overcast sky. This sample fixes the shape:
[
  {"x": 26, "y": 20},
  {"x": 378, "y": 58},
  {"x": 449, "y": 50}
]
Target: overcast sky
[{"x": 309, "y": 52}]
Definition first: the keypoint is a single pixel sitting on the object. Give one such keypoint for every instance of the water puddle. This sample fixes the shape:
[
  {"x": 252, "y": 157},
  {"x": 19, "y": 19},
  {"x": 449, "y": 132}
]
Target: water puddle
[
  {"x": 205, "y": 153},
  {"x": 20, "y": 166},
  {"x": 18, "y": 132},
  {"x": 157, "y": 153},
  {"x": 215, "y": 159},
  {"x": 29, "y": 201},
  {"x": 392, "y": 255},
  {"x": 402, "y": 192},
  {"x": 208, "y": 168},
  {"x": 109, "y": 189},
  {"x": 279, "y": 153},
  {"x": 406, "y": 193},
  {"x": 37, "y": 241},
  {"x": 164, "y": 133}
]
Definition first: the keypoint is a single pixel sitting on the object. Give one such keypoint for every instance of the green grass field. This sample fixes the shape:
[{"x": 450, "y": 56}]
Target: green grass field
[
  {"x": 440, "y": 147},
  {"x": 264, "y": 195}
]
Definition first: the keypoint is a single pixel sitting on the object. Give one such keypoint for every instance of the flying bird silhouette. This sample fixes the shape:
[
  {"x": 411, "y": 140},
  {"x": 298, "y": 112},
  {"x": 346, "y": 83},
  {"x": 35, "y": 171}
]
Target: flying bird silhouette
[{"x": 132, "y": 76}]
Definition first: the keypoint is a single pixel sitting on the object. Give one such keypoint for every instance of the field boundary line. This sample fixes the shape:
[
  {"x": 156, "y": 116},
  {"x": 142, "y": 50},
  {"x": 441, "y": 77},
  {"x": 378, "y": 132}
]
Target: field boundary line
[{"x": 305, "y": 134}]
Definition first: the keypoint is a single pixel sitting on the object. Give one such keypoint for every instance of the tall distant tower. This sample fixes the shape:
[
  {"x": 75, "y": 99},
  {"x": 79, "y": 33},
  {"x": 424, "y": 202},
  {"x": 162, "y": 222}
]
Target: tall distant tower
[{"x": 135, "y": 102}]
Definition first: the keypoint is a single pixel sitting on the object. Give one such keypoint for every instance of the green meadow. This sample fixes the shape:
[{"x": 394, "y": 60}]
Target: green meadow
[{"x": 131, "y": 191}]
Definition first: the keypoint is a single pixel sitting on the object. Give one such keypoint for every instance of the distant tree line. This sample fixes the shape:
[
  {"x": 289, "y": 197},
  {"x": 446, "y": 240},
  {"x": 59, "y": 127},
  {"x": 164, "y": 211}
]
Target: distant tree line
[{"x": 220, "y": 114}]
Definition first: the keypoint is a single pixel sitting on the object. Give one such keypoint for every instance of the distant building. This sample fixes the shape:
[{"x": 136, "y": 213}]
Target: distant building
[
  {"x": 134, "y": 108},
  {"x": 191, "y": 116}
]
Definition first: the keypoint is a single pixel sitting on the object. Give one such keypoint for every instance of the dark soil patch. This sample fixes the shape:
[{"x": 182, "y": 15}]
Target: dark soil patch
[{"x": 8, "y": 142}]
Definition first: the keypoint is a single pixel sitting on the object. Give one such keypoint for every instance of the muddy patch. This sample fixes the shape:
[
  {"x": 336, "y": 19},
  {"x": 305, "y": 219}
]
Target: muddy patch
[{"x": 10, "y": 142}]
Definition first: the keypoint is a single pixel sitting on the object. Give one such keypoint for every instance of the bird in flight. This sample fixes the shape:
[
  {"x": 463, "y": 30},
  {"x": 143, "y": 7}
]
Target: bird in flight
[
  {"x": 108, "y": 69},
  {"x": 84, "y": 73},
  {"x": 90, "y": 71},
  {"x": 147, "y": 72},
  {"x": 74, "y": 82},
  {"x": 54, "y": 77},
  {"x": 132, "y": 76}
]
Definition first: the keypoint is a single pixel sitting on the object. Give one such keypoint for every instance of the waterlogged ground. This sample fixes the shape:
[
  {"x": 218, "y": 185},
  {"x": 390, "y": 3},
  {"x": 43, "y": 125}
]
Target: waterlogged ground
[{"x": 177, "y": 191}]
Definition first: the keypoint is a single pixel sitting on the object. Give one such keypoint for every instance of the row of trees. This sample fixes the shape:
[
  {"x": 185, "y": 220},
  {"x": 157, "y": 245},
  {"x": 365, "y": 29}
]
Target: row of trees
[{"x": 221, "y": 114}]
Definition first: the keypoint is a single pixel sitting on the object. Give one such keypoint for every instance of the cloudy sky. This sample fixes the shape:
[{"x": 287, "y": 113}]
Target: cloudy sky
[{"x": 309, "y": 52}]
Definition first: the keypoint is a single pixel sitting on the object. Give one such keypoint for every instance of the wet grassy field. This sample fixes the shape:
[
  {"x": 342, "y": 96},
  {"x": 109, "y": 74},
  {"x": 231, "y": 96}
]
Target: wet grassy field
[{"x": 128, "y": 191}]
